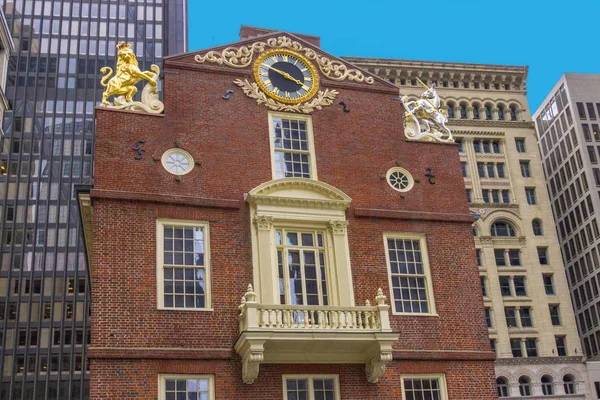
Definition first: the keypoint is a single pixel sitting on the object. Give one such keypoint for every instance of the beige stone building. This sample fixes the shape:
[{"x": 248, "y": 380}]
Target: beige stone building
[{"x": 530, "y": 317}]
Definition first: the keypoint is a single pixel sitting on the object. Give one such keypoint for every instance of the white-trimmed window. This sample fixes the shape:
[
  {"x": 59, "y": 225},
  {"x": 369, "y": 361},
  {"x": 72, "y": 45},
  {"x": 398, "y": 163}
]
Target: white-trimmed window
[
  {"x": 292, "y": 146},
  {"x": 427, "y": 387},
  {"x": 183, "y": 265},
  {"x": 301, "y": 265},
  {"x": 311, "y": 387},
  {"x": 197, "y": 387},
  {"x": 409, "y": 276}
]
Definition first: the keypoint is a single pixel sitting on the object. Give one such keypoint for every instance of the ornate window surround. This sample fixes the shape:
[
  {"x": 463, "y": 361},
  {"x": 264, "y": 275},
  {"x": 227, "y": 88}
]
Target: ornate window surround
[{"x": 299, "y": 203}]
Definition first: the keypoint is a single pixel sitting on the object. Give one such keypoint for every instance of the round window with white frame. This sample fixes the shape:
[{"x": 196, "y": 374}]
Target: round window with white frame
[
  {"x": 177, "y": 161},
  {"x": 400, "y": 179}
]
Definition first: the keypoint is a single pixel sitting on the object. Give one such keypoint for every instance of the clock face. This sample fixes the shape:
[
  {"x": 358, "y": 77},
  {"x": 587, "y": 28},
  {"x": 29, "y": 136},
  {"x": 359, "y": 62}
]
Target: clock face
[{"x": 286, "y": 76}]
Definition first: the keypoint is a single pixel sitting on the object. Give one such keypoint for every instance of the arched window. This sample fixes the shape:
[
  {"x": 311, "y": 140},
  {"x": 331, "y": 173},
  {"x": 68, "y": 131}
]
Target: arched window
[
  {"x": 450, "y": 110},
  {"x": 502, "y": 228},
  {"x": 569, "y": 383},
  {"x": 501, "y": 113},
  {"x": 536, "y": 224},
  {"x": 463, "y": 111},
  {"x": 547, "y": 385},
  {"x": 525, "y": 386},
  {"x": 502, "y": 385},
  {"x": 488, "y": 112},
  {"x": 513, "y": 113},
  {"x": 476, "y": 111}
]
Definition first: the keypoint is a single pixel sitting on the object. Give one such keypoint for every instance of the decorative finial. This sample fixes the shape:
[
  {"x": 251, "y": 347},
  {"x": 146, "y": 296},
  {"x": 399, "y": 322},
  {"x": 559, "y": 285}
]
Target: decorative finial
[
  {"x": 380, "y": 297},
  {"x": 250, "y": 295},
  {"x": 367, "y": 303},
  {"x": 122, "y": 85},
  {"x": 242, "y": 305}
]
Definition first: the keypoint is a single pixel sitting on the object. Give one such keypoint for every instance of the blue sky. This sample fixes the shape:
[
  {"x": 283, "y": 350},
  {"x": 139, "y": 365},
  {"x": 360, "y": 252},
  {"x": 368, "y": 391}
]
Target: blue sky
[{"x": 550, "y": 37}]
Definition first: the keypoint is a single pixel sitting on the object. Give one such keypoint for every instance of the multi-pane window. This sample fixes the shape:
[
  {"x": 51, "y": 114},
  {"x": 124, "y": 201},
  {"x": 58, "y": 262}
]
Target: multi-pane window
[
  {"x": 511, "y": 317},
  {"x": 301, "y": 268},
  {"x": 525, "y": 388},
  {"x": 520, "y": 289},
  {"x": 554, "y": 314},
  {"x": 530, "y": 194},
  {"x": 569, "y": 384},
  {"x": 186, "y": 387},
  {"x": 488, "y": 146},
  {"x": 292, "y": 147},
  {"x": 561, "y": 345},
  {"x": 515, "y": 346},
  {"x": 409, "y": 275},
  {"x": 502, "y": 385},
  {"x": 488, "y": 317},
  {"x": 548, "y": 284},
  {"x": 531, "y": 347},
  {"x": 526, "y": 318},
  {"x": 312, "y": 387},
  {"x": 502, "y": 228},
  {"x": 543, "y": 255},
  {"x": 581, "y": 110},
  {"x": 469, "y": 198},
  {"x": 183, "y": 271},
  {"x": 525, "y": 170},
  {"x": 505, "y": 288},
  {"x": 520, "y": 144},
  {"x": 464, "y": 169},
  {"x": 493, "y": 345},
  {"x": 536, "y": 224},
  {"x": 424, "y": 388},
  {"x": 506, "y": 257},
  {"x": 483, "y": 286},
  {"x": 547, "y": 385}
]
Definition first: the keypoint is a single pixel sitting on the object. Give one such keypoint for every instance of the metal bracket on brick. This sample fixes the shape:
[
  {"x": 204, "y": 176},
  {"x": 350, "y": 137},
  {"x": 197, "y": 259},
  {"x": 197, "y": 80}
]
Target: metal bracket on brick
[
  {"x": 228, "y": 94},
  {"x": 430, "y": 176},
  {"x": 139, "y": 149},
  {"x": 346, "y": 109}
]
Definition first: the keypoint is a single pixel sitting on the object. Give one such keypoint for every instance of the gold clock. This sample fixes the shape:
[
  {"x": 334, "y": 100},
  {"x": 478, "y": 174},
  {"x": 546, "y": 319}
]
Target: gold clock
[{"x": 286, "y": 76}]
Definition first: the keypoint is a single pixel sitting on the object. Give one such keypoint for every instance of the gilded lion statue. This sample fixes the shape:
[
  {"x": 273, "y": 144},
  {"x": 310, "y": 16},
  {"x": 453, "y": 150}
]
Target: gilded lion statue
[{"x": 127, "y": 75}]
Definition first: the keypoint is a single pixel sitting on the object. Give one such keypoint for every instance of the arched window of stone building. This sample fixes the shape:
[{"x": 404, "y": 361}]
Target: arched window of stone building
[
  {"x": 476, "y": 111},
  {"x": 513, "y": 112},
  {"x": 536, "y": 224},
  {"x": 501, "y": 112},
  {"x": 547, "y": 385},
  {"x": 502, "y": 385},
  {"x": 463, "y": 111},
  {"x": 451, "y": 110},
  {"x": 503, "y": 228},
  {"x": 488, "y": 112},
  {"x": 525, "y": 386},
  {"x": 569, "y": 383}
]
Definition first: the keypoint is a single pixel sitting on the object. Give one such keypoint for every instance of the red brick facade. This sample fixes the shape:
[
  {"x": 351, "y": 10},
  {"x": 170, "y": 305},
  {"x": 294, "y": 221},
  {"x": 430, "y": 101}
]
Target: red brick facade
[{"x": 133, "y": 341}]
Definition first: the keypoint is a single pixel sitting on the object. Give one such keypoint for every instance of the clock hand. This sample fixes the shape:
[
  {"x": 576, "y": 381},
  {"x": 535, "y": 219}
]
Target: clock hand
[{"x": 285, "y": 74}]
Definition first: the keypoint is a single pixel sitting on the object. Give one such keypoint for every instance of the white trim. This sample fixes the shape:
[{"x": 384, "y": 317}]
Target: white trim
[
  {"x": 409, "y": 177},
  {"x": 312, "y": 158},
  {"x": 426, "y": 269},
  {"x": 310, "y": 377},
  {"x": 440, "y": 377},
  {"x": 163, "y": 377},
  {"x": 160, "y": 223},
  {"x": 184, "y": 153}
]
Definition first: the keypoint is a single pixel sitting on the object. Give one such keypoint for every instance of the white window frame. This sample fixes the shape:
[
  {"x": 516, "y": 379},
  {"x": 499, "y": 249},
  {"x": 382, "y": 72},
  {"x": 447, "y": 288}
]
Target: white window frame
[
  {"x": 426, "y": 269},
  {"x": 160, "y": 223},
  {"x": 163, "y": 377},
  {"x": 440, "y": 377},
  {"x": 310, "y": 377},
  {"x": 312, "y": 158}
]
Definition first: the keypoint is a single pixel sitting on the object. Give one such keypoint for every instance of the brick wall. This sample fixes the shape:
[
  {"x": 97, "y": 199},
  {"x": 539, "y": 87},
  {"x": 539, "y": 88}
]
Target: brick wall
[{"x": 230, "y": 140}]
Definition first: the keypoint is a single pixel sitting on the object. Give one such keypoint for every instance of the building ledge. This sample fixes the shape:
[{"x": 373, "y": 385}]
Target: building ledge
[{"x": 314, "y": 334}]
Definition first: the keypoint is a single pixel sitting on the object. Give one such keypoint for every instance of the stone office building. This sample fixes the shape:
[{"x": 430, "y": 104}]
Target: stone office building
[
  {"x": 275, "y": 235},
  {"x": 528, "y": 309}
]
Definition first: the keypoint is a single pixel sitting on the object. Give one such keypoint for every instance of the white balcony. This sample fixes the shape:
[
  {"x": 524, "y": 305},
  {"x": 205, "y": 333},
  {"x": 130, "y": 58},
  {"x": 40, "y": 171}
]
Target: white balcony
[{"x": 314, "y": 334}]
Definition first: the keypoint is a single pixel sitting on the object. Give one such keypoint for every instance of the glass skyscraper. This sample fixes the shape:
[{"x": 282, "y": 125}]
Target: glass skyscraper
[{"x": 53, "y": 85}]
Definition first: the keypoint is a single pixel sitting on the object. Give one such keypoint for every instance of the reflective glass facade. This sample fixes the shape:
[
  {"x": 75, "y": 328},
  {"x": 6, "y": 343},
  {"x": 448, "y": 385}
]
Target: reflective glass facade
[{"x": 53, "y": 86}]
